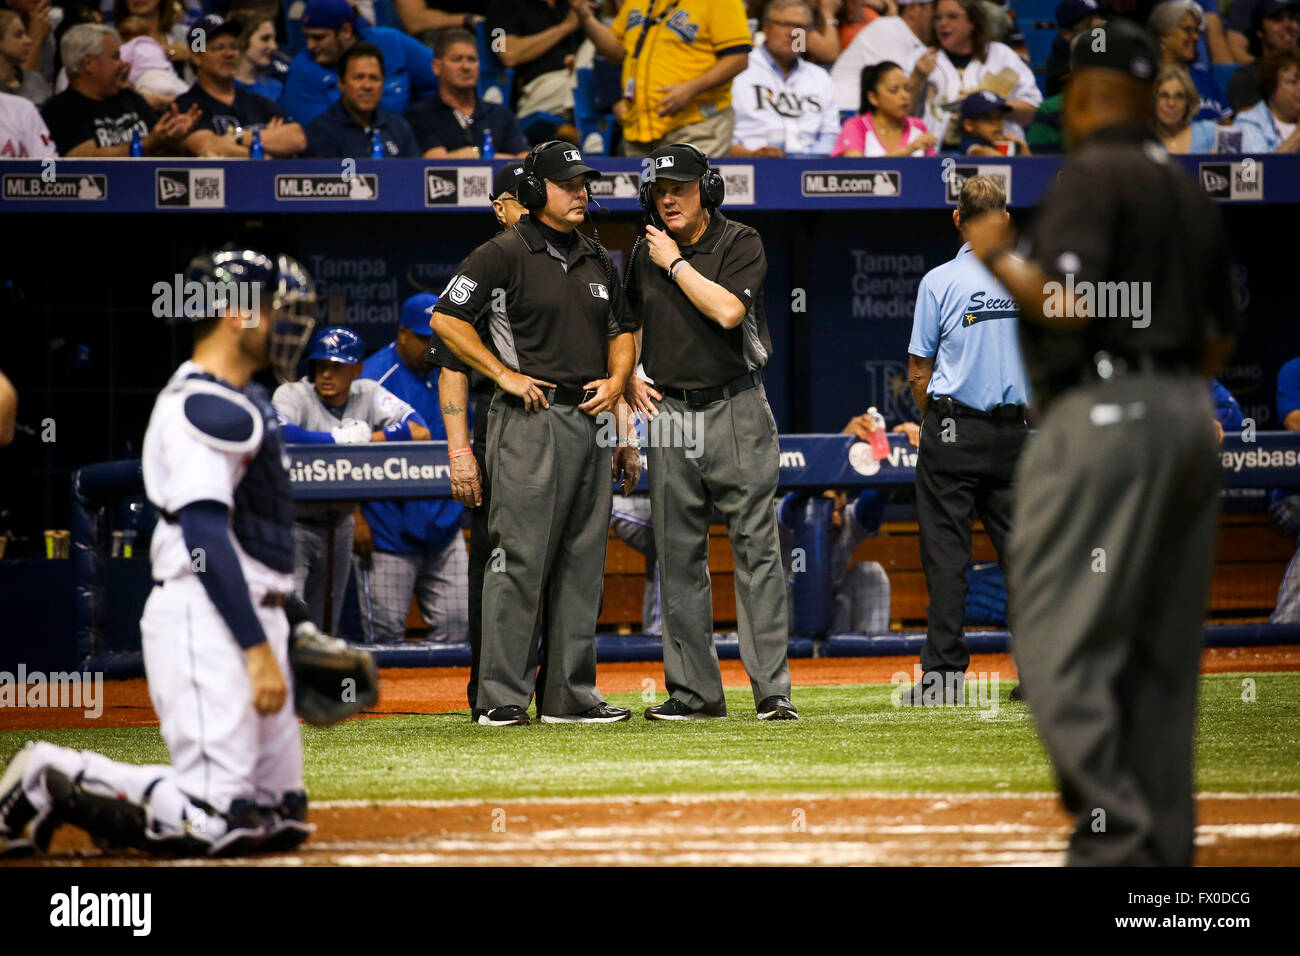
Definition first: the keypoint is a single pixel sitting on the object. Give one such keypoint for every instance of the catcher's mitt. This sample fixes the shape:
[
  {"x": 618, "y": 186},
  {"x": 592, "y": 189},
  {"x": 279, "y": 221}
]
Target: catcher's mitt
[{"x": 332, "y": 680}]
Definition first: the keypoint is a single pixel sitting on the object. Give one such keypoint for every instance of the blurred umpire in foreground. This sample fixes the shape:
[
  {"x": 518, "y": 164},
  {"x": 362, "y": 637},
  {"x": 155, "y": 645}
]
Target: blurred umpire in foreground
[
  {"x": 412, "y": 546},
  {"x": 1112, "y": 542},
  {"x": 697, "y": 284},
  {"x": 456, "y": 383},
  {"x": 968, "y": 381},
  {"x": 564, "y": 336}
]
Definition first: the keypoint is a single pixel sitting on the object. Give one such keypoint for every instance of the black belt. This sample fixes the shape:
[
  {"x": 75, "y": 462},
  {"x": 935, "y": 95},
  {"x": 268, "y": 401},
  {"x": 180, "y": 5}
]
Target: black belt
[
  {"x": 707, "y": 396},
  {"x": 945, "y": 405},
  {"x": 559, "y": 395}
]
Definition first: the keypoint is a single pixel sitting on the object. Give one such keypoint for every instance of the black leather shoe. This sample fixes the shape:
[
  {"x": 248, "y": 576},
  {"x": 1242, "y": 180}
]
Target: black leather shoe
[
  {"x": 602, "y": 713},
  {"x": 674, "y": 709},
  {"x": 936, "y": 689},
  {"x": 508, "y": 716},
  {"x": 777, "y": 708}
]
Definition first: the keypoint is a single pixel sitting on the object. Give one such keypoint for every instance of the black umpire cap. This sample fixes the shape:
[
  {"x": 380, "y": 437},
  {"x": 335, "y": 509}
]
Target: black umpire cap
[
  {"x": 560, "y": 161},
  {"x": 1119, "y": 45},
  {"x": 507, "y": 179},
  {"x": 679, "y": 162}
]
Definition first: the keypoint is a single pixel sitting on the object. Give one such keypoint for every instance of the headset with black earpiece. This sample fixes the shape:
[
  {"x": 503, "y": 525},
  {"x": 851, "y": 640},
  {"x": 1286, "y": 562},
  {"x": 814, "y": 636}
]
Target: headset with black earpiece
[
  {"x": 531, "y": 190},
  {"x": 713, "y": 190}
]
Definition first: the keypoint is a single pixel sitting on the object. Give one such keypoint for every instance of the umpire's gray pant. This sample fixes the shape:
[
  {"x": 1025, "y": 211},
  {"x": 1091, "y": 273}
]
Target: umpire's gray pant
[
  {"x": 311, "y": 577},
  {"x": 438, "y": 579},
  {"x": 724, "y": 454},
  {"x": 1111, "y": 551},
  {"x": 549, "y": 519}
]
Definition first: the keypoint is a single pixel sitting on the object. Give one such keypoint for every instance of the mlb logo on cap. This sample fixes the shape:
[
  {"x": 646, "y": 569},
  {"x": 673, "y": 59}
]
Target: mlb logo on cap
[
  {"x": 663, "y": 162},
  {"x": 572, "y": 156}
]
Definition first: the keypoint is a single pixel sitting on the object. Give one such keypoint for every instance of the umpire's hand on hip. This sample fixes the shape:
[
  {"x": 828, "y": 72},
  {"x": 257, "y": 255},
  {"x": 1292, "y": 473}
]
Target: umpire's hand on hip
[
  {"x": 639, "y": 394},
  {"x": 527, "y": 388},
  {"x": 608, "y": 392}
]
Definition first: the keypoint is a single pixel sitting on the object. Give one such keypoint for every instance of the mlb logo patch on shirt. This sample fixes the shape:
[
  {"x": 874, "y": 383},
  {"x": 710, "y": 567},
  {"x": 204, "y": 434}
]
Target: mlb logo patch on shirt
[{"x": 598, "y": 290}]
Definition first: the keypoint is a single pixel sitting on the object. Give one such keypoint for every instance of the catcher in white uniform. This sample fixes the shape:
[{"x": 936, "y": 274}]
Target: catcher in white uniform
[{"x": 215, "y": 634}]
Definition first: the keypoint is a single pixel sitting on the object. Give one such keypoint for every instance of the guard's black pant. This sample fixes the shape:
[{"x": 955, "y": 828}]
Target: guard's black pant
[
  {"x": 964, "y": 468},
  {"x": 479, "y": 552}
]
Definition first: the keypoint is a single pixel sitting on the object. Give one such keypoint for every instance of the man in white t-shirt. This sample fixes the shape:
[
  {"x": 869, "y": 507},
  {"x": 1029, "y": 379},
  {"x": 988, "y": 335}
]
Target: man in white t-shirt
[
  {"x": 784, "y": 104},
  {"x": 885, "y": 38},
  {"x": 23, "y": 133}
]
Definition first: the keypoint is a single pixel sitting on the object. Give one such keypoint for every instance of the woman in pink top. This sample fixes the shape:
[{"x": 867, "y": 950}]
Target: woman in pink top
[{"x": 883, "y": 126}]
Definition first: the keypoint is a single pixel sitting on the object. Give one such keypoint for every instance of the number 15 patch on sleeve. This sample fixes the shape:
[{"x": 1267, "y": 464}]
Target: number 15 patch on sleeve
[{"x": 460, "y": 288}]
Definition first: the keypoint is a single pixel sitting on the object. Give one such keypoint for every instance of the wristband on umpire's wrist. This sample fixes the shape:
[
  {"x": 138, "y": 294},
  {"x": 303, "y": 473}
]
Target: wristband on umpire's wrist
[
  {"x": 672, "y": 265},
  {"x": 458, "y": 452}
]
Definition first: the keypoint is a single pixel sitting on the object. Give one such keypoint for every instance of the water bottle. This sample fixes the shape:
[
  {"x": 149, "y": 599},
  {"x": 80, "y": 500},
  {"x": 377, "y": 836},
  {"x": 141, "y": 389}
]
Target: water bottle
[
  {"x": 377, "y": 145},
  {"x": 255, "y": 150},
  {"x": 137, "y": 148},
  {"x": 489, "y": 151},
  {"x": 879, "y": 437}
]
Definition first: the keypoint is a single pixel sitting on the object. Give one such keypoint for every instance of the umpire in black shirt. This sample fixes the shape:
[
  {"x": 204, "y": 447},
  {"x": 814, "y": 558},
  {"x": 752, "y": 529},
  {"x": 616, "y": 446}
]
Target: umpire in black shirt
[
  {"x": 697, "y": 284},
  {"x": 563, "y": 332},
  {"x": 1126, "y": 308},
  {"x": 457, "y": 382}
]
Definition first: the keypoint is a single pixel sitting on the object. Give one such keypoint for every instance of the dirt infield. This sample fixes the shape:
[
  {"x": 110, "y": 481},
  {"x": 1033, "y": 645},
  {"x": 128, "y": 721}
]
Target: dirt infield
[
  {"x": 442, "y": 689},
  {"x": 878, "y": 829}
]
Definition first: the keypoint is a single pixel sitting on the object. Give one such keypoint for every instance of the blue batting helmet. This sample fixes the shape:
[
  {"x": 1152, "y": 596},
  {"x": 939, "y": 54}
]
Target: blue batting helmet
[
  {"x": 282, "y": 280},
  {"x": 337, "y": 343}
]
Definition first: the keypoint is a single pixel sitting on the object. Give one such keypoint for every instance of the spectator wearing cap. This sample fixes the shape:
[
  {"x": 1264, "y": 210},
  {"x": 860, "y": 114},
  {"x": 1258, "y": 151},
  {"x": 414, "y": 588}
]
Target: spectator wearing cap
[
  {"x": 885, "y": 39},
  {"x": 229, "y": 115},
  {"x": 96, "y": 116},
  {"x": 540, "y": 44},
  {"x": 967, "y": 59},
  {"x": 262, "y": 66},
  {"x": 1176, "y": 25},
  {"x": 1270, "y": 125},
  {"x": 883, "y": 126},
  {"x": 1073, "y": 17},
  {"x": 15, "y": 48},
  {"x": 411, "y": 547},
  {"x": 983, "y": 123},
  {"x": 455, "y": 121},
  {"x": 330, "y": 27},
  {"x": 1274, "y": 28},
  {"x": 351, "y": 125},
  {"x": 1176, "y": 103},
  {"x": 333, "y": 405},
  {"x": 678, "y": 65},
  {"x": 783, "y": 104}
]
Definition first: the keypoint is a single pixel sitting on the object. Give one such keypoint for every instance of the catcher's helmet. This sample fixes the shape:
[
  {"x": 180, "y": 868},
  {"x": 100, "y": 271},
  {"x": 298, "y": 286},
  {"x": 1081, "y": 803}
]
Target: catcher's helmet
[
  {"x": 281, "y": 280},
  {"x": 337, "y": 343}
]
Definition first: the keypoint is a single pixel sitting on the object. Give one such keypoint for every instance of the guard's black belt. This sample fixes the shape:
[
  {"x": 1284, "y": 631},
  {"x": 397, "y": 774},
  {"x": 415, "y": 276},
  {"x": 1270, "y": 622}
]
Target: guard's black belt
[
  {"x": 698, "y": 397},
  {"x": 1002, "y": 413}
]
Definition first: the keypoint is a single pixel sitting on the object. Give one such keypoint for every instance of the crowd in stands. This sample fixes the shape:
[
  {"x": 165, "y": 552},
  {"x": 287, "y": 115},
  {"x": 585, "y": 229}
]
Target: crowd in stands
[{"x": 482, "y": 78}]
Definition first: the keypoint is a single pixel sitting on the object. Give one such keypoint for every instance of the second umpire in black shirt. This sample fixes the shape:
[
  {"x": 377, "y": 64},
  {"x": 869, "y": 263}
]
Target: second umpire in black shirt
[
  {"x": 564, "y": 335},
  {"x": 712, "y": 437},
  {"x": 1126, "y": 306}
]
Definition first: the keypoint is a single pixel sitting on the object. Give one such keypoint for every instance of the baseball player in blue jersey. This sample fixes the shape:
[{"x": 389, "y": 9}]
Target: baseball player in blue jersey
[
  {"x": 214, "y": 632},
  {"x": 334, "y": 405},
  {"x": 411, "y": 546}
]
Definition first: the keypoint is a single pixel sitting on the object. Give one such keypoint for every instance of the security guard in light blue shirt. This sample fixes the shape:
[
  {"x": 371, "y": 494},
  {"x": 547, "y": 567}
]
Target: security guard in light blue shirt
[
  {"x": 411, "y": 546},
  {"x": 968, "y": 379}
]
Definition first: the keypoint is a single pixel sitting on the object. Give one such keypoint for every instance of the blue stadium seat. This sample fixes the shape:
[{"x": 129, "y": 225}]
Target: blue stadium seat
[
  {"x": 386, "y": 15},
  {"x": 1039, "y": 37},
  {"x": 590, "y": 123},
  {"x": 496, "y": 81}
]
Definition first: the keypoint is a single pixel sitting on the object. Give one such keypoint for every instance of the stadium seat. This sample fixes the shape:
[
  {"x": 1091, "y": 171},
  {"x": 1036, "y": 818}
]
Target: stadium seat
[
  {"x": 496, "y": 80},
  {"x": 1039, "y": 37},
  {"x": 593, "y": 128},
  {"x": 386, "y": 15}
]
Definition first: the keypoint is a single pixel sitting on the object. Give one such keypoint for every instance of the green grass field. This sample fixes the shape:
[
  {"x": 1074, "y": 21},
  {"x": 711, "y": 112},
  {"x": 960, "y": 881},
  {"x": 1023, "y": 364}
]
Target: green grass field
[{"x": 850, "y": 738}]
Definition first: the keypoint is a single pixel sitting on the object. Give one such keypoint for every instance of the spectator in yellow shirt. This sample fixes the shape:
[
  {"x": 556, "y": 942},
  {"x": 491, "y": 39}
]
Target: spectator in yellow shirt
[{"x": 679, "y": 58}]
